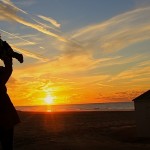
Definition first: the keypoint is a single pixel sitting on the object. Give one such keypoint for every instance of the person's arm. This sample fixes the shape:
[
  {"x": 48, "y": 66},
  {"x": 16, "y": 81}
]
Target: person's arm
[
  {"x": 8, "y": 48},
  {"x": 7, "y": 70}
]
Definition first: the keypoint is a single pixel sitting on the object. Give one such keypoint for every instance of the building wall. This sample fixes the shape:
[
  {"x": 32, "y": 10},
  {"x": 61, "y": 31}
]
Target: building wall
[{"x": 142, "y": 114}]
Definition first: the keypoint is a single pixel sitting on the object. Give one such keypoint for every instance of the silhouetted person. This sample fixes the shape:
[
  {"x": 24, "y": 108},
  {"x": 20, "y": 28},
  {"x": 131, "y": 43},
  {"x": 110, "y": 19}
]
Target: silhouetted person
[
  {"x": 5, "y": 49},
  {"x": 8, "y": 115}
]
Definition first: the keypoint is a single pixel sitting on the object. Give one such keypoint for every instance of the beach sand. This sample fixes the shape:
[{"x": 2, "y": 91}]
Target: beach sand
[{"x": 78, "y": 130}]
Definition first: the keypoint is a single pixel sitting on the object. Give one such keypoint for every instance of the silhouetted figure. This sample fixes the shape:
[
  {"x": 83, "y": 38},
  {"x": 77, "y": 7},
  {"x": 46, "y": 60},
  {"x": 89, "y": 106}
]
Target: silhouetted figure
[
  {"x": 8, "y": 115},
  {"x": 5, "y": 49}
]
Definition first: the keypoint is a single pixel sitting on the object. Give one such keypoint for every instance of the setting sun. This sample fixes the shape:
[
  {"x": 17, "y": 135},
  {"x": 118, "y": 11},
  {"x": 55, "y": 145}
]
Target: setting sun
[
  {"x": 77, "y": 61},
  {"x": 49, "y": 99}
]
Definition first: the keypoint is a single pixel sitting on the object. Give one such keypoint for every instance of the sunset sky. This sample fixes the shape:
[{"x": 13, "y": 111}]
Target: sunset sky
[{"x": 77, "y": 51}]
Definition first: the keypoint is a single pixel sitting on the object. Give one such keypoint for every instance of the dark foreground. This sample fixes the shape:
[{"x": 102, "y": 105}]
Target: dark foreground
[{"x": 78, "y": 130}]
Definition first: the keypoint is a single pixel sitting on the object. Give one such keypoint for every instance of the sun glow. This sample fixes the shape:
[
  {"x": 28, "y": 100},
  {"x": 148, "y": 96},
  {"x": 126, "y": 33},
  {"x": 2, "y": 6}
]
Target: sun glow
[{"x": 49, "y": 99}]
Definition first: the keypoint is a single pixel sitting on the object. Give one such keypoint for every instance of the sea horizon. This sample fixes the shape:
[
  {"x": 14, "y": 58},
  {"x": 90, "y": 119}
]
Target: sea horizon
[{"x": 108, "y": 106}]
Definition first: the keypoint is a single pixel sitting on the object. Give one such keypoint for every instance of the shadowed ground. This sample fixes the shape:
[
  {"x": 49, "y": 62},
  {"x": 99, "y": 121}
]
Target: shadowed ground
[{"x": 78, "y": 130}]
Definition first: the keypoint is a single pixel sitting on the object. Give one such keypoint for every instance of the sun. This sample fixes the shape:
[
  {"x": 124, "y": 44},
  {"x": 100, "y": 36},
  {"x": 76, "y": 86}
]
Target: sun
[{"x": 49, "y": 99}]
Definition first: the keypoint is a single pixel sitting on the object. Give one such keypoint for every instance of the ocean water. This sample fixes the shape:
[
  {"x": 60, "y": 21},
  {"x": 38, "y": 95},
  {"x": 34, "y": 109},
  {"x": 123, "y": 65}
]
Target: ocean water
[{"x": 117, "y": 106}]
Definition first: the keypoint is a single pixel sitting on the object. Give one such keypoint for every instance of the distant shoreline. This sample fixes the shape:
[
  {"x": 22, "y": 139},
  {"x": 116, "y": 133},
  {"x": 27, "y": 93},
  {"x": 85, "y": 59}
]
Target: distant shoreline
[
  {"x": 120, "y": 106},
  {"x": 65, "y": 112},
  {"x": 74, "y": 104}
]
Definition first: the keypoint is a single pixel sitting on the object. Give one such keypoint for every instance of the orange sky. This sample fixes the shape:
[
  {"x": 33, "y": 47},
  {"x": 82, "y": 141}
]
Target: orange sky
[{"x": 91, "y": 61}]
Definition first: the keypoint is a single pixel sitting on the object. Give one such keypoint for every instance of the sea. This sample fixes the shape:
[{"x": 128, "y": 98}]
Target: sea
[{"x": 115, "y": 106}]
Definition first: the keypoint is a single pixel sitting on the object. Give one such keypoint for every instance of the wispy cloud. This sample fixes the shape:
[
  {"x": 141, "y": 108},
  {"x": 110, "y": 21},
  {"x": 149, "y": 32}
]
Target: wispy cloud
[
  {"x": 24, "y": 42},
  {"x": 78, "y": 55},
  {"x": 18, "y": 37},
  {"x": 117, "y": 32},
  {"x": 44, "y": 25},
  {"x": 29, "y": 54},
  {"x": 9, "y": 12},
  {"x": 120, "y": 60},
  {"x": 132, "y": 73},
  {"x": 26, "y": 3},
  {"x": 51, "y": 20},
  {"x": 9, "y": 3}
]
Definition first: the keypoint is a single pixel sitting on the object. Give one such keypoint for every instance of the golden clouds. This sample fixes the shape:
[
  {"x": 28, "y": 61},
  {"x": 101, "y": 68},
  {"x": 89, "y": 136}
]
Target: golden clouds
[
  {"x": 51, "y": 20},
  {"x": 76, "y": 67},
  {"x": 29, "y": 54}
]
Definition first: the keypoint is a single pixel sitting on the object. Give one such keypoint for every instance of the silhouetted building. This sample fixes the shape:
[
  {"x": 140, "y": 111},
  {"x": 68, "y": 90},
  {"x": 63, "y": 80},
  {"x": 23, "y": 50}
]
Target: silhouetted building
[{"x": 142, "y": 114}]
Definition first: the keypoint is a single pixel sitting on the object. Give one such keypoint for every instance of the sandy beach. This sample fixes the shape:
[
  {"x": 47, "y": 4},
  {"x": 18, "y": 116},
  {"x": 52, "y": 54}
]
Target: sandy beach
[{"x": 78, "y": 130}]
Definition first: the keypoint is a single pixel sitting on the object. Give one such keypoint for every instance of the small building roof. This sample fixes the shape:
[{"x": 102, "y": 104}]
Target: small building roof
[{"x": 143, "y": 97}]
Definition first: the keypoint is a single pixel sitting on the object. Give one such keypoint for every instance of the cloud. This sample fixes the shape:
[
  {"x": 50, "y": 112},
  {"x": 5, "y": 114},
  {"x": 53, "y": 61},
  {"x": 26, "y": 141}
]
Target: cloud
[
  {"x": 51, "y": 20},
  {"x": 132, "y": 73},
  {"x": 62, "y": 65},
  {"x": 118, "y": 32},
  {"x": 120, "y": 60},
  {"x": 141, "y": 80},
  {"x": 25, "y": 52},
  {"x": 26, "y": 3},
  {"x": 44, "y": 25},
  {"x": 9, "y": 12},
  {"x": 18, "y": 37},
  {"x": 71, "y": 70},
  {"x": 29, "y": 54},
  {"x": 9, "y": 3},
  {"x": 145, "y": 63}
]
